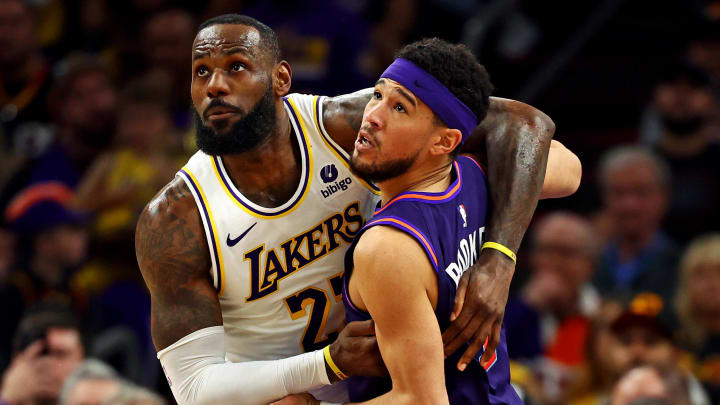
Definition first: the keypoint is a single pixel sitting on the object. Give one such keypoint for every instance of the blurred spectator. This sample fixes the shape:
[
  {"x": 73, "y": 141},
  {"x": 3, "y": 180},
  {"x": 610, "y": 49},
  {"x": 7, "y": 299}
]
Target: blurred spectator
[
  {"x": 704, "y": 50},
  {"x": 114, "y": 190},
  {"x": 48, "y": 345},
  {"x": 681, "y": 132},
  {"x": 134, "y": 395},
  {"x": 92, "y": 383},
  {"x": 56, "y": 243},
  {"x": 698, "y": 309},
  {"x": 120, "y": 182},
  {"x": 639, "y": 257},
  {"x": 324, "y": 41},
  {"x": 167, "y": 38},
  {"x": 95, "y": 383},
  {"x": 647, "y": 340},
  {"x": 629, "y": 336},
  {"x": 604, "y": 363},
  {"x": 548, "y": 323},
  {"x": 83, "y": 101},
  {"x": 25, "y": 82},
  {"x": 651, "y": 382}
]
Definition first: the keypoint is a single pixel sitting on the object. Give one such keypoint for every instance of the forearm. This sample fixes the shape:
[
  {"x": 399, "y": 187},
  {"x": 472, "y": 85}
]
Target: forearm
[
  {"x": 563, "y": 173},
  {"x": 517, "y": 153},
  {"x": 198, "y": 373}
]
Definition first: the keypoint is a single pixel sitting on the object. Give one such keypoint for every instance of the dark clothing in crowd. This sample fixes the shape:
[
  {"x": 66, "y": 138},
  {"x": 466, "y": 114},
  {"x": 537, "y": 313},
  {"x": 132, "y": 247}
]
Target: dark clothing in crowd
[
  {"x": 696, "y": 195},
  {"x": 653, "y": 270}
]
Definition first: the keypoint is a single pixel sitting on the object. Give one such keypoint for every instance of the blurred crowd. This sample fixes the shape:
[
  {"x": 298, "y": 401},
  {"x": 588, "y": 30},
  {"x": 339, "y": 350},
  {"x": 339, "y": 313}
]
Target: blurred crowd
[{"x": 616, "y": 299}]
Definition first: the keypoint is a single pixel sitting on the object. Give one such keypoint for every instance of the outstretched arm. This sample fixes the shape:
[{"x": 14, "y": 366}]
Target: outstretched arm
[
  {"x": 186, "y": 318},
  {"x": 500, "y": 131}
]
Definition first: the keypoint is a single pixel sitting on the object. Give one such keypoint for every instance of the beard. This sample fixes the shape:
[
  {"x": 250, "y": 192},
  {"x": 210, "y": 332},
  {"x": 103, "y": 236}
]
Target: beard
[
  {"x": 250, "y": 131},
  {"x": 381, "y": 172}
]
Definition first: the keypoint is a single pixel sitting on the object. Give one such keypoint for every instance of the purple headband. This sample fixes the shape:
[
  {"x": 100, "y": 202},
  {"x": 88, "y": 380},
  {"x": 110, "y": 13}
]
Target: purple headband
[{"x": 454, "y": 113}]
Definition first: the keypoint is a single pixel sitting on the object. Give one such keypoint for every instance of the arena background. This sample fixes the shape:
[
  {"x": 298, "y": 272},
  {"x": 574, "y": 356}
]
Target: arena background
[{"x": 95, "y": 112}]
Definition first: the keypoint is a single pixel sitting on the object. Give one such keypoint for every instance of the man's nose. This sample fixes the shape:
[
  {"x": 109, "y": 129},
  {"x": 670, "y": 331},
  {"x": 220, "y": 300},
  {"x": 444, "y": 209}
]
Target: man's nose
[{"x": 218, "y": 85}]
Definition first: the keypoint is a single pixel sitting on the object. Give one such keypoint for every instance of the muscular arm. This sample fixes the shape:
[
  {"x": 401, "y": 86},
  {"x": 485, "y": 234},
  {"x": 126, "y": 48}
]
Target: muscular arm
[
  {"x": 174, "y": 261},
  {"x": 517, "y": 141},
  {"x": 515, "y": 138},
  {"x": 409, "y": 339},
  {"x": 342, "y": 116},
  {"x": 514, "y": 141},
  {"x": 511, "y": 129},
  {"x": 186, "y": 319}
]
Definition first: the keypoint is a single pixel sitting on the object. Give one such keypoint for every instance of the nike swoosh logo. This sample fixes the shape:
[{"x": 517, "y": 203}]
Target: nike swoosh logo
[
  {"x": 233, "y": 242},
  {"x": 417, "y": 83}
]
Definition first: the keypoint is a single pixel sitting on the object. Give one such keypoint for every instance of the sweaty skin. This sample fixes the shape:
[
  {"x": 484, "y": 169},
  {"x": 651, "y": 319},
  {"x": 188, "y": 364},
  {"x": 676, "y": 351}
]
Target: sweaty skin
[{"x": 229, "y": 64}]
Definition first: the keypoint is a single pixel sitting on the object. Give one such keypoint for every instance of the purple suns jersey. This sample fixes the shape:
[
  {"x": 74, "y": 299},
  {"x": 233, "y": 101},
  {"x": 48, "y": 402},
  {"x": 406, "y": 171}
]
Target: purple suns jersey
[{"x": 449, "y": 226}]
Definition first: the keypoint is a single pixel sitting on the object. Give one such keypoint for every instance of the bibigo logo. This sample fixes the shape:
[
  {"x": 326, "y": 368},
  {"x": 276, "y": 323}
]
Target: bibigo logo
[{"x": 329, "y": 175}]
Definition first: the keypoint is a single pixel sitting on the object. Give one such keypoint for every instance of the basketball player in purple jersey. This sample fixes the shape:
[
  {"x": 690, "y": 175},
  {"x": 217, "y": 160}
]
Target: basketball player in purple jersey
[{"x": 403, "y": 268}]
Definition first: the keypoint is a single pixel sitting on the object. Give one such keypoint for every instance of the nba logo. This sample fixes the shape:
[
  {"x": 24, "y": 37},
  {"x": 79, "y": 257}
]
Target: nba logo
[{"x": 463, "y": 214}]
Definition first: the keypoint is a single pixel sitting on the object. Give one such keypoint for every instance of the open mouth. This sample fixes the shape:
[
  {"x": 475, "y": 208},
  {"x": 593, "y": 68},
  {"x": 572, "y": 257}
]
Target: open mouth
[{"x": 364, "y": 140}]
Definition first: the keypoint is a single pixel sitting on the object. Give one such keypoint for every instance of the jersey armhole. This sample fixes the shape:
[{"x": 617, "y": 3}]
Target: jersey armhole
[
  {"x": 413, "y": 231},
  {"x": 210, "y": 233},
  {"x": 393, "y": 222},
  {"x": 318, "y": 113}
]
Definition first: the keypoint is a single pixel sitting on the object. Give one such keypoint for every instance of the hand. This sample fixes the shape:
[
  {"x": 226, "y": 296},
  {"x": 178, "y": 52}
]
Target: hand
[
  {"x": 479, "y": 307},
  {"x": 356, "y": 352},
  {"x": 297, "y": 399},
  {"x": 29, "y": 377}
]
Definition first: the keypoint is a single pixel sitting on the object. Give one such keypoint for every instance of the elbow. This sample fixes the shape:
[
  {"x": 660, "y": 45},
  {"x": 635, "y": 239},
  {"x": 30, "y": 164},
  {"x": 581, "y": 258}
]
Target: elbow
[
  {"x": 544, "y": 125},
  {"x": 535, "y": 120}
]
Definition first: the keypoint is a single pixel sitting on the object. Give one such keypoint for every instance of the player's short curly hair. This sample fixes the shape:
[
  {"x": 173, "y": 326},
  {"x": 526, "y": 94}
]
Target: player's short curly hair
[{"x": 455, "y": 67}]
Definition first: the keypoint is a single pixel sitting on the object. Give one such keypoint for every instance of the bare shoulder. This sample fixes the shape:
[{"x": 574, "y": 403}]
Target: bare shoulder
[
  {"x": 386, "y": 262},
  {"x": 381, "y": 246},
  {"x": 167, "y": 225},
  {"x": 174, "y": 260},
  {"x": 342, "y": 116}
]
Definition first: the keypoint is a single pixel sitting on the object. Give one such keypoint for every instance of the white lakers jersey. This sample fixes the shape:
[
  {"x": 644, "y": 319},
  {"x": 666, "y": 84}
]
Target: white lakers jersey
[{"x": 278, "y": 271}]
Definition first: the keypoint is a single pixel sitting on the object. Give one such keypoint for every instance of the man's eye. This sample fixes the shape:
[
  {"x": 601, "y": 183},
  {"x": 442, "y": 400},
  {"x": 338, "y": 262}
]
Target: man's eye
[
  {"x": 201, "y": 71},
  {"x": 399, "y": 108},
  {"x": 237, "y": 67},
  {"x": 377, "y": 95}
]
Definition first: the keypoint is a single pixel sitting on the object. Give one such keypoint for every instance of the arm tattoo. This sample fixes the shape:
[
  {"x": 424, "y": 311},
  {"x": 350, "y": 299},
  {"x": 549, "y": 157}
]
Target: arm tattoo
[
  {"x": 517, "y": 142},
  {"x": 171, "y": 251},
  {"x": 342, "y": 116}
]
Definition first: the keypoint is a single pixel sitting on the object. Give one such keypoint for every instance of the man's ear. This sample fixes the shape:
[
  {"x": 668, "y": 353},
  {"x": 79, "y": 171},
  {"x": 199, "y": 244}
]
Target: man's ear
[
  {"x": 281, "y": 78},
  {"x": 446, "y": 141}
]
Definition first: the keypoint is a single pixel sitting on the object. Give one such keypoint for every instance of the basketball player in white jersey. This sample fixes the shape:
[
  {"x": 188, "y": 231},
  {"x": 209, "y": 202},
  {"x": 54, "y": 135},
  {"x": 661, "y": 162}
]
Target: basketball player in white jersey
[{"x": 243, "y": 251}]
